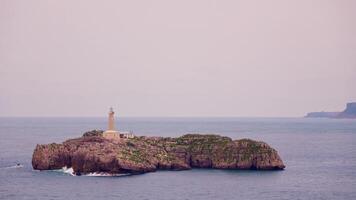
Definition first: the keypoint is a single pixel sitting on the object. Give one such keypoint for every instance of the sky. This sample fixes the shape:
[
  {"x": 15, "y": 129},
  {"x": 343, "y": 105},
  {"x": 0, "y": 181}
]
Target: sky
[{"x": 194, "y": 58}]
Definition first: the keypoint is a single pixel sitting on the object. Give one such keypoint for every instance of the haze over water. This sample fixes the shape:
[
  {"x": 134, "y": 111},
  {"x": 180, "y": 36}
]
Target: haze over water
[
  {"x": 320, "y": 158},
  {"x": 276, "y": 58},
  {"x": 212, "y": 60}
]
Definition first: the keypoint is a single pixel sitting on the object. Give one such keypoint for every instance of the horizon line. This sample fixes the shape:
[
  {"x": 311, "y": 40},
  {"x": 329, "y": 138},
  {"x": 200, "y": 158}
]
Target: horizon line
[{"x": 102, "y": 116}]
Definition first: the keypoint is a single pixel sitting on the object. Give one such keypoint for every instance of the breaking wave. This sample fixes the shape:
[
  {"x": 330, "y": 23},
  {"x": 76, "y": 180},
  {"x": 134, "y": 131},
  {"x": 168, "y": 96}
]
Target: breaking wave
[
  {"x": 70, "y": 171},
  {"x": 104, "y": 174},
  {"x": 66, "y": 170}
]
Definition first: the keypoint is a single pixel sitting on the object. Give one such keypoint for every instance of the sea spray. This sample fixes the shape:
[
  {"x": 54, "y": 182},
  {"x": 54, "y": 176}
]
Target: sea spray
[
  {"x": 70, "y": 171},
  {"x": 66, "y": 170},
  {"x": 103, "y": 174}
]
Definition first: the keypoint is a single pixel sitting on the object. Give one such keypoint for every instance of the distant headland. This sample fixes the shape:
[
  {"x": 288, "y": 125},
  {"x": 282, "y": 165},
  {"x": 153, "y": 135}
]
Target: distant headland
[
  {"x": 349, "y": 112},
  {"x": 114, "y": 152}
]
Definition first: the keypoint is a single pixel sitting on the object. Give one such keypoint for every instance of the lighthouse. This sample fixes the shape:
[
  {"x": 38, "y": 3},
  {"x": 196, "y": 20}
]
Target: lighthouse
[{"x": 111, "y": 133}]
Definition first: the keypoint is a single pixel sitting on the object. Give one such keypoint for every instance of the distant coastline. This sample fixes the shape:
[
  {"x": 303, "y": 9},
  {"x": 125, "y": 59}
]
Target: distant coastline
[{"x": 349, "y": 112}]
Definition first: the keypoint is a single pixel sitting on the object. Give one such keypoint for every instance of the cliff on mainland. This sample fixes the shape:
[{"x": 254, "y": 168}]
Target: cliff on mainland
[
  {"x": 349, "y": 112},
  {"x": 93, "y": 153}
]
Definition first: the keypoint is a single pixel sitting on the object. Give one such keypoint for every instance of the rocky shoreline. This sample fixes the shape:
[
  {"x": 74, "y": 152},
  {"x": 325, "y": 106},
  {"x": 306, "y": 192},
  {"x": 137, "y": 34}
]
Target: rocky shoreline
[{"x": 93, "y": 153}]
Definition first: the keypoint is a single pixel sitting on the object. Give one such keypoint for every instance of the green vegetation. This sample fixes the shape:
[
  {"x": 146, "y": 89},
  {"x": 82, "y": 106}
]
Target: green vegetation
[
  {"x": 217, "y": 148},
  {"x": 203, "y": 143},
  {"x": 136, "y": 156},
  {"x": 93, "y": 133}
]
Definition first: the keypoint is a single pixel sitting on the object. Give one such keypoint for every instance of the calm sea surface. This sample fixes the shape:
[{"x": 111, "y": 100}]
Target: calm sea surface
[{"x": 320, "y": 155}]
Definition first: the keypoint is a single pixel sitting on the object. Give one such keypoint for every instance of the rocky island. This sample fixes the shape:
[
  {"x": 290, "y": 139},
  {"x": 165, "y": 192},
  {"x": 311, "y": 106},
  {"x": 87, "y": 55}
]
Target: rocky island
[
  {"x": 93, "y": 153},
  {"x": 116, "y": 152}
]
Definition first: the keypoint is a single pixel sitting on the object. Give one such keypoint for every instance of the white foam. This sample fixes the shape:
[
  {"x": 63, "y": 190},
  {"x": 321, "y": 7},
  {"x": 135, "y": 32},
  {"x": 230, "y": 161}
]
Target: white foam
[
  {"x": 104, "y": 174},
  {"x": 14, "y": 167},
  {"x": 70, "y": 171},
  {"x": 66, "y": 170}
]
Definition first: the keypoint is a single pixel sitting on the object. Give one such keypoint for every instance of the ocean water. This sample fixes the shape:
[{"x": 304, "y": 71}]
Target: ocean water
[{"x": 319, "y": 154}]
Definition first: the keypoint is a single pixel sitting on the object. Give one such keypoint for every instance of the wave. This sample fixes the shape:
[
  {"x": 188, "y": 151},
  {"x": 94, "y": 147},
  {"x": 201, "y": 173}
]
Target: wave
[
  {"x": 70, "y": 171},
  {"x": 104, "y": 174},
  {"x": 66, "y": 170},
  {"x": 13, "y": 167}
]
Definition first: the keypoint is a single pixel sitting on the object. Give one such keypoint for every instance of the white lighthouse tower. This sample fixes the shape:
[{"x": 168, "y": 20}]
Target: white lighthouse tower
[{"x": 111, "y": 133}]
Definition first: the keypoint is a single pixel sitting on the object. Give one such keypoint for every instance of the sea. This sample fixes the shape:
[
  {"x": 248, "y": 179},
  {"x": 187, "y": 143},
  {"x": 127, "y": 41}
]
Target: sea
[{"x": 319, "y": 154}]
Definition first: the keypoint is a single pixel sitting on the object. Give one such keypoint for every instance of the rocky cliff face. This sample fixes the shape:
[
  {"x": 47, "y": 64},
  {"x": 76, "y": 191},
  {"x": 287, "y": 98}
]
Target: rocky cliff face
[
  {"x": 349, "y": 112},
  {"x": 93, "y": 153}
]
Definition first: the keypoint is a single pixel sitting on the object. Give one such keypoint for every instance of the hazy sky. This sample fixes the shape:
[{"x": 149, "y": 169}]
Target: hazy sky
[{"x": 176, "y": 58}]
